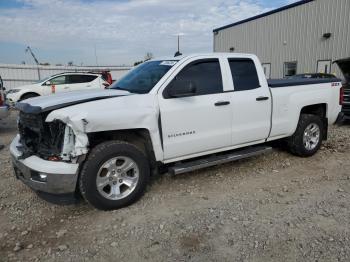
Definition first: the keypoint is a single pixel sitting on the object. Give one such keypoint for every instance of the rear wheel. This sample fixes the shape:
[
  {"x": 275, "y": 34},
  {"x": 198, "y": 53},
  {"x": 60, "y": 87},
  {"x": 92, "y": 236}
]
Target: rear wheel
[
  {"x": 307, "y": 138},
  {"x": 114, "y": 175}
]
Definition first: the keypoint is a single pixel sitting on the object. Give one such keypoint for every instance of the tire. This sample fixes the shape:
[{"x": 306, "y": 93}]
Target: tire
[
  {"x": 27, "y": 96},
  {"x": 308, "y": 128},
  {"x": 104, "y": 165}
]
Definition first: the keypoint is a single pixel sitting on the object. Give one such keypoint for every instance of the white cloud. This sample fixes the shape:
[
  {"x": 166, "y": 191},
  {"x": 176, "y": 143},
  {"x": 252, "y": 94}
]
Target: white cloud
[{"x": 122, "y": 30}]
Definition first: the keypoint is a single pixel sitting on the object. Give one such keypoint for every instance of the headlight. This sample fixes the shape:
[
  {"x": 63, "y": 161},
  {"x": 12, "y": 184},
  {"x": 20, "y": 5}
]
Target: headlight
[{"x": 11, "y": 91}]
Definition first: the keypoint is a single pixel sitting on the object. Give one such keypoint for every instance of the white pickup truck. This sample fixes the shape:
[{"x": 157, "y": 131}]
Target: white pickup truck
[{"x": 182, "y": 113}]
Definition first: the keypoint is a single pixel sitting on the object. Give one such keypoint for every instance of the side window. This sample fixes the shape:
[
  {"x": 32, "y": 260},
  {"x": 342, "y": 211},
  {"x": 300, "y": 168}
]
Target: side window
[
  {"x": 76, "y": 79},
  {"x": 60, "y": 80},
  {"x": 244, "y": 74},
  {"x": 290, "y": 69},
  {"x": 204, "y": 74}
]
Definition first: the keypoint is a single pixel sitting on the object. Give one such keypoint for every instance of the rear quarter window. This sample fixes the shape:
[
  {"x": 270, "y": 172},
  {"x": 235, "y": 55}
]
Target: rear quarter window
[
  {"x": 244, "y": 74},
  {"x": 76, "y": 79}
]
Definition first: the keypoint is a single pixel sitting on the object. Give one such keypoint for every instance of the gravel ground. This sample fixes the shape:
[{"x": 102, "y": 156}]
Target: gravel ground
[{"x": 274, "y": 207}]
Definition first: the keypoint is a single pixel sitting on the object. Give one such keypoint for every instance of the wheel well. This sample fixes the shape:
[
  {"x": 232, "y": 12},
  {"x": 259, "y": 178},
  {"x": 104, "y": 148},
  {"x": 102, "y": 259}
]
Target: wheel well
[
  {"x": 319, "y": 110},
  {"x": 29, "y": 93},
  {"x": 139, "y": 137}
]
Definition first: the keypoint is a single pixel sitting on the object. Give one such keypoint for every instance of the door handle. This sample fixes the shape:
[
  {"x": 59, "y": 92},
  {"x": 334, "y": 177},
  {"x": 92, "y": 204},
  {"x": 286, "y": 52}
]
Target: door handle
[
  {"x": 222, "y": 103},
  {"x": 262, "y": 98},
  {"x": 66, "y": 87}
]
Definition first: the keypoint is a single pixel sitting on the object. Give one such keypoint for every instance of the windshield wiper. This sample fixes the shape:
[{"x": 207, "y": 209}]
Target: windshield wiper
[
  {"x": 120, "y": 88},
  {"x": 130, "y": 91}
]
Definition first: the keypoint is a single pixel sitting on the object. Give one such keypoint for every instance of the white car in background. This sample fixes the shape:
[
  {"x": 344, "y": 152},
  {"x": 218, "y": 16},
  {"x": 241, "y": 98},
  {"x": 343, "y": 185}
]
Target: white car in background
[{"x": 64, "y": 82}]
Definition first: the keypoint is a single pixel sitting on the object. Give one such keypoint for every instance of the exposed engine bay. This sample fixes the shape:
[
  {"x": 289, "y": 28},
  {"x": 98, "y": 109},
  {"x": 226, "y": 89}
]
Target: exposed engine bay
[{"x": 48, "y": 140}]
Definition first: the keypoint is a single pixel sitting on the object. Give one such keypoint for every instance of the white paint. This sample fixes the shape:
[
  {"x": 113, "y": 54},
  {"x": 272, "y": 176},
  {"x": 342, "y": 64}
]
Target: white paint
[{"x": 243, "y": 122}]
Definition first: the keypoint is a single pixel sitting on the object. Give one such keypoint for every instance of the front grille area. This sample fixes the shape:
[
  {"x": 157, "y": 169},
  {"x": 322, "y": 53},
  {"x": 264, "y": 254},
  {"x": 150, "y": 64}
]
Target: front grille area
[{"x": 38, "y": 137}]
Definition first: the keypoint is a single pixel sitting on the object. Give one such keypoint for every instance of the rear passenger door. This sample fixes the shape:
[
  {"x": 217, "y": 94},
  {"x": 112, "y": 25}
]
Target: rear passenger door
[
  {"x": 200, "y": 122},
  {"x": 251, "y": 103},
  {"x": 81, "y": 82}
]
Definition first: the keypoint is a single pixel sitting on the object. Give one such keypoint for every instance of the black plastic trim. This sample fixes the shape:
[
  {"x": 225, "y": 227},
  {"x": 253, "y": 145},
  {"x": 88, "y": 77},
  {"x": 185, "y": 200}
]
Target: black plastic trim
[
  {"x": 262, "y": 98},
  {"x": 222, "y": 103},
  {"x": 273, "y": 83},
  {"x": 160, "y": 129}
]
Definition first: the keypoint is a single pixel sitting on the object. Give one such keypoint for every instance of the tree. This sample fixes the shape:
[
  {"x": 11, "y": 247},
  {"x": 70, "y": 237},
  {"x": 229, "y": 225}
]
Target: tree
[
  {"x": 70, "y": 63},
  {"x": 138, "y": 62}
]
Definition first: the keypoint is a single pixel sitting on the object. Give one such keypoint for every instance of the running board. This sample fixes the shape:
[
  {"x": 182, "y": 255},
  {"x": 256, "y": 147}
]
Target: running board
[{"x": 213, "y": 160}]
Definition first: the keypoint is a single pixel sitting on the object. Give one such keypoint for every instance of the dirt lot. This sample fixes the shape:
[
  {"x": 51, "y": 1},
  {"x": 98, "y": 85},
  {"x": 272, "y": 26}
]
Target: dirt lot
[{"x": 275, "y": 207}]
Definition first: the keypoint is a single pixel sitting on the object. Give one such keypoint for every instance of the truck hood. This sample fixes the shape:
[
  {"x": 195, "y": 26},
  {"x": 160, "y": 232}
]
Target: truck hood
[{"x": 42, "y": 104}]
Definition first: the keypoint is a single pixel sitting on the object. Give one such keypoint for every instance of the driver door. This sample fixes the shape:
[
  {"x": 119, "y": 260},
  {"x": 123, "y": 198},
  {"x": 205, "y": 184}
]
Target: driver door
[{"x": 199, "y": 122}]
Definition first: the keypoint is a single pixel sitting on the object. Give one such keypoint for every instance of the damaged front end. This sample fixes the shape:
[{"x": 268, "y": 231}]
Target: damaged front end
[{"x": 52, "y": 141}]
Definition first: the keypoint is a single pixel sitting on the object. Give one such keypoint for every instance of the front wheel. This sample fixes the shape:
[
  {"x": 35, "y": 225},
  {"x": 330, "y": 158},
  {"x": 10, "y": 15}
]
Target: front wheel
[
  {"x": 114, "y": 175},
  {"x": 307, "y": 139}
]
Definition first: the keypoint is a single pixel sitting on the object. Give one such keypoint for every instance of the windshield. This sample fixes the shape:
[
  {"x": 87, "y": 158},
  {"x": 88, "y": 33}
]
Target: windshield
[{"x": 143, "y": 78}]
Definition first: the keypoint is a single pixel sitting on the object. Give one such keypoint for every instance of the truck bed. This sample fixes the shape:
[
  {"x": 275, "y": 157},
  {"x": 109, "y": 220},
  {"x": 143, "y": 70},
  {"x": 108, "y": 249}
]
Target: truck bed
[{"x": 274, "y": 83}]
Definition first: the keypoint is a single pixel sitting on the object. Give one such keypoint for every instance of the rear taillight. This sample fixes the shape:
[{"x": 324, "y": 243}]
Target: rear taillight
[
  {"x": 1, "y": 99},
  {"x": 341, "y": 96}
]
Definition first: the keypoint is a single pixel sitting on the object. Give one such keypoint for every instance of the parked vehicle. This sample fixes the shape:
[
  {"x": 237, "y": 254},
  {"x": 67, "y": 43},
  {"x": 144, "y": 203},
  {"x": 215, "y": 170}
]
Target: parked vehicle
[
  {"x": 64, "y": 82},
  {"x": 3, "y": 107},
  {"x": 181, "y": 113},
  {"x": 344, "y": 65},
  {"x": 313, "y": 75}
]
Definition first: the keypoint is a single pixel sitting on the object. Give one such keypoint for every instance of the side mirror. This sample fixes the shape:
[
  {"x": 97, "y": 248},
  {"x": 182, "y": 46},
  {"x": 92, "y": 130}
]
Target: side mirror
[{"x": 181, "y": 88}]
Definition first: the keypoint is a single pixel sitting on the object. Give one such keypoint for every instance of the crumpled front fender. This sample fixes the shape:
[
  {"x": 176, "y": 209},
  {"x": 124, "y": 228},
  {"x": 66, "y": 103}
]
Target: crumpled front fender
[
  {"x": 120, "y": 113},
  {"x": 77, "y": 123}
]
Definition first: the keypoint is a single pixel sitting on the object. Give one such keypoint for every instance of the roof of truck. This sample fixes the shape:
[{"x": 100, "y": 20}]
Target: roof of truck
[{"x": 215, "y": 54}]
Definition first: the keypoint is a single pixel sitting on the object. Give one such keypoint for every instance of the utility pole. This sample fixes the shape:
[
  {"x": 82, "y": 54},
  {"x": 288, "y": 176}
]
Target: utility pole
[
  {"x": 28, "y": 49},
  {"x": 95, "y": 55},
  {"x": 178, "y": 44}
]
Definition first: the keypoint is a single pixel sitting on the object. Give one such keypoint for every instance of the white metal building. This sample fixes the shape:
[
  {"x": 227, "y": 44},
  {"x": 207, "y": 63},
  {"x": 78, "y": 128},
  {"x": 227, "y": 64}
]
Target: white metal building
[{"x": 303, "y": 37}]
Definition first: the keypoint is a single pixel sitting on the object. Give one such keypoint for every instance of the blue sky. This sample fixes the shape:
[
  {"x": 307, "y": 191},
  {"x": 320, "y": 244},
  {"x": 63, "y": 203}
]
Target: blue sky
[{"x": 60, "y": 31}]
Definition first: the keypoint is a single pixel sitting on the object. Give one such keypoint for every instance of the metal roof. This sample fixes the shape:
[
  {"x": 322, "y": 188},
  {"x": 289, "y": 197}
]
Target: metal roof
[{"x": 264, "y": 14}]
